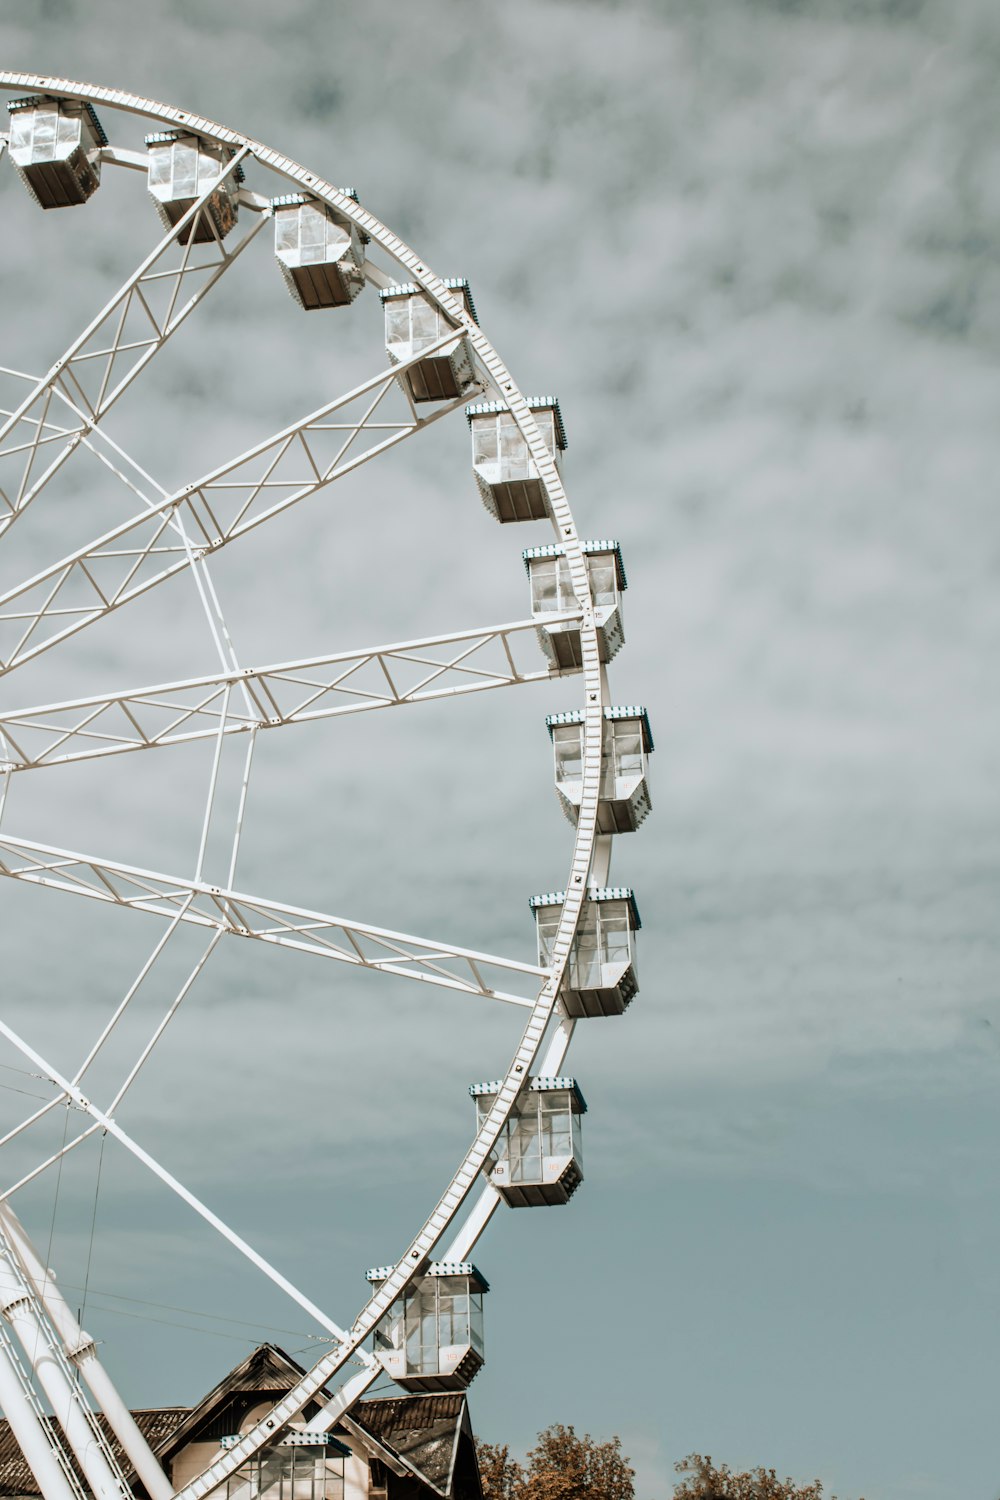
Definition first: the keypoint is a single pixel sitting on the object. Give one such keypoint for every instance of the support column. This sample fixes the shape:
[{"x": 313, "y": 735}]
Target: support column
[
  {"x": 80, "y": 1348},
  {"x": 17, "y": 1304},
  {"x": 33, "y": 1438}
]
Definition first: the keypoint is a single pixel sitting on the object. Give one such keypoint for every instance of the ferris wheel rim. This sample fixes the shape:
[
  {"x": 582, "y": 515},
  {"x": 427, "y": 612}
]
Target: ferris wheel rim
[{"x": 468, "y": 1174}]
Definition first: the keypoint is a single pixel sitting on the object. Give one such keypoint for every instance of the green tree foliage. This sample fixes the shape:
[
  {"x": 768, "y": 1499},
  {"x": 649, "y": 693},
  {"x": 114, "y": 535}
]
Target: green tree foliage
[
  {"x": 561, "y": 1466},
  {"x": 704, "y": 1480}
]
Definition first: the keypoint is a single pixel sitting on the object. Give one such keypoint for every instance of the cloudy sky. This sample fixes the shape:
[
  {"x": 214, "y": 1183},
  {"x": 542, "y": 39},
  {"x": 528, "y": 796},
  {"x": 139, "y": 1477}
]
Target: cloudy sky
[{"x": 752, "y": 247}]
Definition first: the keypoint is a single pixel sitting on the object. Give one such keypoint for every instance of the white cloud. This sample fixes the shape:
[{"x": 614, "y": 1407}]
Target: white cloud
[{"x": 752, "y": 247}]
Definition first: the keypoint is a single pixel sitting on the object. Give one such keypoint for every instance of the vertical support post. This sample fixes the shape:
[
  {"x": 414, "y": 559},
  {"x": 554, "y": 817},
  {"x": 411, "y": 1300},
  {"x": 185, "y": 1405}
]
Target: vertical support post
[
  {"x": 33, "y": 1438},
  {"x": 81, "y": 1350},
  {"x": 17, "y": 1304}
]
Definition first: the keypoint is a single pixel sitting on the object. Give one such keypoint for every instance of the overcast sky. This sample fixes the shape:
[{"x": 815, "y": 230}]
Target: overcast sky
[{"x": 752, "y": 247}]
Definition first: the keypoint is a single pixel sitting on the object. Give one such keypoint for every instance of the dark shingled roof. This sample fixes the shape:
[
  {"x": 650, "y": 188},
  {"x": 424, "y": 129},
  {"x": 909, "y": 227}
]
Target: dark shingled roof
[
  {"x": 16, "y": 1478},
  {"x": 420, "y": 1428},
  {"x": 430, "y": 1435},
  {"x": 267, "y": 1371}
]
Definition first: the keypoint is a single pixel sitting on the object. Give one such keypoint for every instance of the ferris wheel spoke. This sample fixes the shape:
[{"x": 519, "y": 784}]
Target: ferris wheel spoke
[
  {"x": 172, "y": 532},
  {"x": 237, "y": 914},
  {"x": 98, "y": 443},
  {"x": 106, "y": 1122},
  {"x": 107, "y": 356},
  {"x": 315, "y": 1381},
  {"x": 420, "y": 671},
  {"x": 135, "y": 556}
]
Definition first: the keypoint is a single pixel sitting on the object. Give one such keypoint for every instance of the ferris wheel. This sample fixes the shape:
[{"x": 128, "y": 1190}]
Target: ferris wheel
[{"x": 216, "y": 193}]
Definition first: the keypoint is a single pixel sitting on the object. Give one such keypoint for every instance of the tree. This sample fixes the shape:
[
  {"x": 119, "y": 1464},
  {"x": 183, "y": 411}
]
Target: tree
[
  {"x": 707, "y": 1481},
  {"x": 561, "y": 1466},
  {"x": 502, "y": 1476}
]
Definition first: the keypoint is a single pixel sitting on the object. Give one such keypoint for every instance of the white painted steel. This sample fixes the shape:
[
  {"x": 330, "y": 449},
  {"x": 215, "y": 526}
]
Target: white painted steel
[
  {"x": 55, "y": 867},
  {"x": 62, "y": 379},
  {"x": 141, "y": 549},
  {"x": 18, "y": 1304},
  {"x": 242, "y": 915},
  {"x": 80, "y": 1348},
  {"x": 34, "y": 1438},
  {"x": 296, "y": 692},
  {"x": 9, "y": 1297}
]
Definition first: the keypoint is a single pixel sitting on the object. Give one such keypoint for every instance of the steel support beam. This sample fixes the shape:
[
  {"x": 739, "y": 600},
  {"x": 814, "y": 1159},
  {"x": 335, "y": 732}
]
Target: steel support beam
[
  {"x": 33, "y": 1433},
  {"x": 419, "y": 671},
  {"x": 81, "y": 1350},
  {"x": 90, "y": 374},
  {"x": 18, "y": 1305},
  {"x": 235, "y": 498},
  {"x": 241, "y": 915}
]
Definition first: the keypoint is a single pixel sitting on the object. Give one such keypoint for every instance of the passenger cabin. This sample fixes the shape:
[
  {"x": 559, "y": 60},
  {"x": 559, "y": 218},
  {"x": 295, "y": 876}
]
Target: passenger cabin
[
  {"x": 183, "y": 166},
  {"x": 552, "y": 594},
  {"x": 626, "y": 743},
  {"x": 413, "y": 322},
  {"x": 55, "y": 146},
  {"x": 431, "y": 1339},
  {"x": 506, "y": 474},
  {"x": 321, "y": 252},
  {"x": 400, "y": 1448},
  {"x": 601, "y": 975},
  {"x": 299, "y": 1466},
  {"x": 538, "y": 1158}
]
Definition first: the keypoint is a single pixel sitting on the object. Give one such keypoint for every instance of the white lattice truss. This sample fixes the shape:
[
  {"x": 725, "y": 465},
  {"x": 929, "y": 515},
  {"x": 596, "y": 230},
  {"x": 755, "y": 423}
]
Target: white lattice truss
[
  {"x": 156, "y": 542},
  {"x": 322, "y": 687},
  {"x": 167, "y": 534},
  {"x": 250, "y": 917},
  {"x": 98, "y": 366}
]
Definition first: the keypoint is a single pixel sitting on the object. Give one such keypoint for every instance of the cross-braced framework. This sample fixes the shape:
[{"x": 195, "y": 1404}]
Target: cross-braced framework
[
  {"x": 104, "y": 360},
  {"x": 291, "y": 693},
  {"x": 163, "y": 533},
  {"x": 150, "y": 547}
]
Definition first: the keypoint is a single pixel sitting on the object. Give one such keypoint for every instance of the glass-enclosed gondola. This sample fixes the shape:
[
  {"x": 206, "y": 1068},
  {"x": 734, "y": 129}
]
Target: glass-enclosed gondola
[
  {"x": 601, "y": 978},
  {"x": 552, "y": 594},
  {"x": 431, "y": 1339},
  {"x": 627, "y": 741},
  {"x": 320, "y": 252},
  {"x": 55, "y": 145},
  {"x": 183, "y": 166},
  {"x": 538, "y": 1158},
  {"x": 509, "y": 482},
  {"x": 414, "y": 322}
]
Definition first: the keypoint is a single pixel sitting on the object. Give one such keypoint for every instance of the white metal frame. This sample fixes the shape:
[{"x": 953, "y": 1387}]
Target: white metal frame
[
  {"x": 176, "y": 532},
  {"x": 110, "y": 353},
  {"x": 321, "y": 687}
]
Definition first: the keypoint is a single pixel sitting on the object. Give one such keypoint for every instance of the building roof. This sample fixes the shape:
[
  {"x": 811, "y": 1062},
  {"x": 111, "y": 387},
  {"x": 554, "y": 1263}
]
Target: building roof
[
  {"x": 428, "y": 1438},
  {"x": 267, "y": 1371},
  {"x": 431, "y": 1433},
  {"x": 16, "y": 1478}
]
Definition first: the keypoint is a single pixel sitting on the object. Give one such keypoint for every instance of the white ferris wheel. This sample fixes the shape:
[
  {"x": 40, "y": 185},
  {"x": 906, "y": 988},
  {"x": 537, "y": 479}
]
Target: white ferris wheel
[{"x": 217, "y": 192}]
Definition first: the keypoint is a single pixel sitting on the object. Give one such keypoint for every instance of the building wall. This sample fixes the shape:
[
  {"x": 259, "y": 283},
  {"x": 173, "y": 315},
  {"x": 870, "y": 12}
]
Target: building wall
[
  {"x": 190, "y": 1461},
  {"x": 196, "y": 1456},
  {"x": 355, "y": 1476}
]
